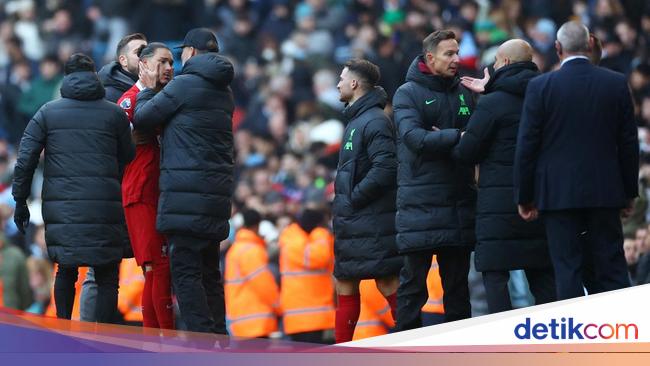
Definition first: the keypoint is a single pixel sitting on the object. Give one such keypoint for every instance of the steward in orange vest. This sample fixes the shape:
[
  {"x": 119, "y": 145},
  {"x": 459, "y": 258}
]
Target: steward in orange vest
[
  {"x": 129, "y": 299},
  {"x": 375, "y": 318},
  {"x": 433, "y": 311},
  {"x": 252, "y": 295},
  {"x": 307, "y": 286}
]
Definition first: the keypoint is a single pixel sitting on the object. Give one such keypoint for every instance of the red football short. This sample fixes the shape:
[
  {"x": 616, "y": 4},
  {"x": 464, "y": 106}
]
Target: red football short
[{"x": 146, "y": 241}]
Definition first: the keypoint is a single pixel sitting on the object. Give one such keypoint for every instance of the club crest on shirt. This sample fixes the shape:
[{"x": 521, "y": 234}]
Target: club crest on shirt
[{"x": 125, "y": 103}]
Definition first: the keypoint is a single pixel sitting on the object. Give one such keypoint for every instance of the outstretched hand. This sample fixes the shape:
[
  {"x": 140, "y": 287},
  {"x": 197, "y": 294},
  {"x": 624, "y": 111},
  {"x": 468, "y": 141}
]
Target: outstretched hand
[{"x": 476, "y": 85}]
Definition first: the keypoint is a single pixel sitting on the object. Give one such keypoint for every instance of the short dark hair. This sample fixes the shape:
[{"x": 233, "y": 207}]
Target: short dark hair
[
  {"x": 125, "y": 40},
  {"x": 79, "y": 62},
  {"x": 51, "y": 58},
  {"x": 311, "y": 219},
  {"x": 251, "y": 218},
  {"x": 149, "y": 50},
  {"x": 431, "y": 42},
  {"x": 365, "y": 70}
]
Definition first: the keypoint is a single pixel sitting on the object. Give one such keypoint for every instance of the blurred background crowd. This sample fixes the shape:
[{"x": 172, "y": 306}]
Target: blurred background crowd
[{"x": 287, "y": 56}]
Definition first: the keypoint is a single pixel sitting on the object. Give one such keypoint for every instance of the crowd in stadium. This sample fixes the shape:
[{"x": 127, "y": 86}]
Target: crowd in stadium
[{"x": 288, "y": 122}]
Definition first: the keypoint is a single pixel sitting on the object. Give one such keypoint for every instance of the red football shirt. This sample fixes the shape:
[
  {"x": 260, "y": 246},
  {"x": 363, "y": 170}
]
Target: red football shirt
[{"x": 140, "y": 181}]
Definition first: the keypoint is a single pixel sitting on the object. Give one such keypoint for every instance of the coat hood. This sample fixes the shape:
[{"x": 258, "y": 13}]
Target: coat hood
[
  {"x": 212, "y": 67},
  {"x": 83, "y": 85},
  {"x": 420, "y": 74},
  {"x": 374, "y": 98},
  {"x": 114, "y": 75},
  {"x": 513, "y": 78}
]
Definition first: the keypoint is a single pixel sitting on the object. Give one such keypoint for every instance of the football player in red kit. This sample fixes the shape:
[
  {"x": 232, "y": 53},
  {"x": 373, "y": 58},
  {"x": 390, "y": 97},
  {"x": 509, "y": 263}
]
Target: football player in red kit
[{"x": 140, "y": 199}]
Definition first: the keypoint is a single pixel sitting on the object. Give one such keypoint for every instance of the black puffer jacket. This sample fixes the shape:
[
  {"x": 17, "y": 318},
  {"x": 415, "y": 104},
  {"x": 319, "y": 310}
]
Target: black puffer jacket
[
  {"x": 436, "y": 197},
  {"x": 364, "y": 204},
  {"x": 116, "y": 80},
  {"x": 87, "y": 141},
  {"x": 504, "y": 240},
  {"x": 196, "y": 153}
]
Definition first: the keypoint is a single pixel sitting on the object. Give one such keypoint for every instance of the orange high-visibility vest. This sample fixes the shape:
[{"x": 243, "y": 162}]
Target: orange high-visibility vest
[
  {"x": 434, "y": 285},
  {"x": 252, "y": 295},
  {"x": 307, "y": 285},
  {"x": 51, "y": 308},
  {"x": 129, "y": 300},
  {"x": 375, "y": 318}
]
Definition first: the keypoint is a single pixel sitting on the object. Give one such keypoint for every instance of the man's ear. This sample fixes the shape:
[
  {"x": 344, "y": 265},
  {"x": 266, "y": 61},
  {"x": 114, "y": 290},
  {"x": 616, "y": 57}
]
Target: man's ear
[
  {"x": 122, "y": 61},
  {"x": 592, "y": 41},
  {"x": 558, "y": 48},
  {"x": 428, "y": 57}
]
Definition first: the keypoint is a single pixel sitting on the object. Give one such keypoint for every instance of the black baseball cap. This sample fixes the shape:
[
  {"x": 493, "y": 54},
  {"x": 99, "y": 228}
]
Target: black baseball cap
[{"x": 202, "y": 39}]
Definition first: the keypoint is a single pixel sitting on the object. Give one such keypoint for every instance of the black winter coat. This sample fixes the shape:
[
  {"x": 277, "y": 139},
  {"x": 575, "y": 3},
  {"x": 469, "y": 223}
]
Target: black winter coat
[
  {"x": 364, "y": 203},
  {"x": 116, "y": 80},
  {"x": 504, "y": 240},
  {"x": 436, "y": 196},
  {"x": 196, "y": 152},
  {"x": 87, "y": 142}
]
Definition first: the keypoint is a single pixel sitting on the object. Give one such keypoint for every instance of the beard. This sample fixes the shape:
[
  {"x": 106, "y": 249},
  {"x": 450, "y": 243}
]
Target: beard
[{"x": 132, "y": 69}]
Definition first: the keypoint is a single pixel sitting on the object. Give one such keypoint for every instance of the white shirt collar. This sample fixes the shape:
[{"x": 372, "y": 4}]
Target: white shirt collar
[{"x": 573, "y": 58}]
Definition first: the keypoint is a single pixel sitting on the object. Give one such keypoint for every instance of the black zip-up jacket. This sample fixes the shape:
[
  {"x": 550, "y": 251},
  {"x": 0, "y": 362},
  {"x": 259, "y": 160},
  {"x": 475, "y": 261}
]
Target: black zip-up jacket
[
  {"x": 365, "y": 186},
  {"x": 504, "y": 240},
  {"x": 87, "y": 142},
  {"x": 436, "y": 197},
  {"x": 196, "y": 153},
  {"x": 116, "y": 80}
]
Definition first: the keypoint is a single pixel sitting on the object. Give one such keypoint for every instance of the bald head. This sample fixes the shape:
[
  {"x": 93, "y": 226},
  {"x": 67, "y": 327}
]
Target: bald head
[
  {"x": 512, "y": 51},
  {"x": 573, "y": 38}
]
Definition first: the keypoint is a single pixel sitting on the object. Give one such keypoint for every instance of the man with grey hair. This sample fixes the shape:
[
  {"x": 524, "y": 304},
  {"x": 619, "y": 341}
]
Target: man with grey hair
[{"x": 577, "y": 163}]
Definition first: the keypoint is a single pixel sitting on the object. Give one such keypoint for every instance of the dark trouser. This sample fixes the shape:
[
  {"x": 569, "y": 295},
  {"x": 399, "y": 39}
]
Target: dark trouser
[
  {"x": 106, "y": 278},
  {"x": 540, "y": 282},
  {"x": 197, "y": 283},
  {"x": 453, "y": 264},
  {"x": 586, "y": 248},
  {"x": 316, "y": 336},
  {"x": 429, "y": 319}
]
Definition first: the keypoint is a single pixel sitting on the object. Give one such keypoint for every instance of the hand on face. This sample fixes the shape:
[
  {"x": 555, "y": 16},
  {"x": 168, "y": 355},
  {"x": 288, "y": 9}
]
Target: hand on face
[{"x": 149, "y": 75}]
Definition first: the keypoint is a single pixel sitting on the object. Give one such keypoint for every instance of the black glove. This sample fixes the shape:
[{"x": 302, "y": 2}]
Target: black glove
[{"x": 21, "y": 216}]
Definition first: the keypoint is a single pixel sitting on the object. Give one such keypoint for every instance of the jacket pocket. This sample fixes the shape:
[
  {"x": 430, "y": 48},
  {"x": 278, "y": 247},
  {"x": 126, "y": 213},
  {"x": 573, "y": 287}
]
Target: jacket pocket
[{"x": 343, "y": 187}]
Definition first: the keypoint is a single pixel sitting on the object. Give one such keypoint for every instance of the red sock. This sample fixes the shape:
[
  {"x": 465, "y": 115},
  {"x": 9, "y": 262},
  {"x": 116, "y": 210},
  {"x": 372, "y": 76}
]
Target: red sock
[
  {"x": 347, "y": 314},
  {"x": 162, "y": 295},
  {"x": 148, "y": 313},
  {"x": 392, "y": 301}
]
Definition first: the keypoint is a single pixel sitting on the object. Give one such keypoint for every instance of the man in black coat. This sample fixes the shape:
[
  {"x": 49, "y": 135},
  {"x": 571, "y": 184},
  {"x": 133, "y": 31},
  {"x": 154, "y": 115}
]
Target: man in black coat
[
  {"x": 436, "y": 196},
  {"x": 577, "y": 162},
  {"x": 120, "y": 75},
  {"x": 196, "y": 180},
  {"x": 505, "y": 242},
  {"x": 117, "y": 77},
  {"x": 87, "y": 143},
  {"x": 364, "y": 202}
]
